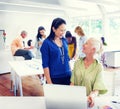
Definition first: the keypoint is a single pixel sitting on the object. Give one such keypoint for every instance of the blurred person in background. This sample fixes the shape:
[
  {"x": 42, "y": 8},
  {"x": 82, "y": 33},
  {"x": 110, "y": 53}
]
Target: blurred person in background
[
  {"x": 18, "y": 47},
  {"x": 39, "y": 40},
  {"x": 72, "y": 44},
  {"x": 82, "y": 39}
]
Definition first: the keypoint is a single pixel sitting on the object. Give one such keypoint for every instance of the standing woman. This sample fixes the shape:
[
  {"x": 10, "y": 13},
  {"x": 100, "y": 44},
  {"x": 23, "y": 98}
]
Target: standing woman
[
  {"x": 81, "y": 41},
  {"x": 39, "y": 40},
  {"x": 55, "y": 59}
]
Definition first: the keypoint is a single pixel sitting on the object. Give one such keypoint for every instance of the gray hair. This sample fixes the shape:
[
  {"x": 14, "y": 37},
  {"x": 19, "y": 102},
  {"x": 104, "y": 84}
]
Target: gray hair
[
  {"x": 23, "y": 32},
  {"x": 97, "y": 45}
]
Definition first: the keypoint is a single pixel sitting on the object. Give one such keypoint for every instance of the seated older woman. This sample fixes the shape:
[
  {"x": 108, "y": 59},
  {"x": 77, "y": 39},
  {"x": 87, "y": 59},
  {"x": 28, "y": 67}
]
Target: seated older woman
[{"x": 88, "y": 71}]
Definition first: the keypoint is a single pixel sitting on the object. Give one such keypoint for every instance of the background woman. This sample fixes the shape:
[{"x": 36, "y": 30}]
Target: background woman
[
  {"x": 71, "y": 40},
  {"x": 39, "y": 40},
  {"x": 81, "y": 41}
]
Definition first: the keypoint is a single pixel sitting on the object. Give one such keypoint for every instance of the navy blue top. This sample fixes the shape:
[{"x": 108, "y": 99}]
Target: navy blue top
[{"x": 55, "y": 58}]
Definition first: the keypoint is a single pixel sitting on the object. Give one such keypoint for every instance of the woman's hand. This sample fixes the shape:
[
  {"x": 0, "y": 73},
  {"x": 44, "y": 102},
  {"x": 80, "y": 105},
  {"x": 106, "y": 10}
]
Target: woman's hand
[
  {"x": 90, "y": 101},
  {"x": 91, "y": 98}
]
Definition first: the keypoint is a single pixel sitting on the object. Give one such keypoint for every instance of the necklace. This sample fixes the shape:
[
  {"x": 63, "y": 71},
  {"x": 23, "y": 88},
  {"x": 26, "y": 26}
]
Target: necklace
[
  {"x": 58, "y": 42},
  {"x": 61, "y": 49},
  {"x": 62, "y": 54}
]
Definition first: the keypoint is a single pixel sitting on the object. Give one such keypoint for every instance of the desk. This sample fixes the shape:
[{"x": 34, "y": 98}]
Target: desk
[
  {"x": 22, "y": 103},
  {"x": 112, "y": 58},
  {"x": 102, "y": 101},
  {"x": 5, "y": 56},
  {"x": 24, "y": 68}
]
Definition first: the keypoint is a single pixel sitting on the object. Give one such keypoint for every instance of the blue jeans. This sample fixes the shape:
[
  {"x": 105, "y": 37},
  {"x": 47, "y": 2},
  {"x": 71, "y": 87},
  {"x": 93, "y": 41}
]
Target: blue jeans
[{"x": 25, "y": 53}]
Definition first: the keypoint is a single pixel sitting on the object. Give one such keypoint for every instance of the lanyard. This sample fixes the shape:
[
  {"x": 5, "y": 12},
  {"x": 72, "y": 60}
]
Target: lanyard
[
  {"x": 62, "y": 54},
  {"x": 61, "y": 49}
]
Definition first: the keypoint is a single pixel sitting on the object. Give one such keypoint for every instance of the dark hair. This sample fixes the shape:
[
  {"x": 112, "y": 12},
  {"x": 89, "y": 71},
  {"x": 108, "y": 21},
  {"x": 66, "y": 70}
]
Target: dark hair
[
  {"x": 68, "y": 34},
  {"x": 103, "y": 41},
  {"x": 38, "y": 34},
  {"x": 29, "y": 42},
  {"x": 56, "y": 23}
]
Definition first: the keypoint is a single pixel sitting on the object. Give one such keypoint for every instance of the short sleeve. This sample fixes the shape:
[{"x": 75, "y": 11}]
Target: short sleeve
[{"x": 99, "y": 82}]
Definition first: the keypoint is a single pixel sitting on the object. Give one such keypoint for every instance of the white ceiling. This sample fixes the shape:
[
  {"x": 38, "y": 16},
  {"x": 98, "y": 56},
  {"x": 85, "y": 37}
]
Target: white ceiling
[{"x": 59, "y": 7}]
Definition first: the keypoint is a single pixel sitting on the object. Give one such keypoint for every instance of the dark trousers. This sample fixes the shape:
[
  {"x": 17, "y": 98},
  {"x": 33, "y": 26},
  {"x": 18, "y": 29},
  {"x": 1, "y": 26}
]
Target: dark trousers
[
  {"x": 25, "y": 53},
  {"x": 62, "y": 80}
]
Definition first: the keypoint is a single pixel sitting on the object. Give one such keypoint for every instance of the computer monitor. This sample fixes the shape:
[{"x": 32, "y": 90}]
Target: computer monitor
[{"x": 65, "y": 97}]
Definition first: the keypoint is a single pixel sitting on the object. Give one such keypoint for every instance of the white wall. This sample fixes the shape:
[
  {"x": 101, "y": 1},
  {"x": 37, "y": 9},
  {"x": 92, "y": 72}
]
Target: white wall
[{"x": 13, "y": 23}]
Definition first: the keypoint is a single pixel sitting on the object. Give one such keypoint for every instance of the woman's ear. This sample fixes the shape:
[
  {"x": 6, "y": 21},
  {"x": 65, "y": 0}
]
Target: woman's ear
[
  {"x": 53, "y": 29},
  {"x": 94, "y": 50}
]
